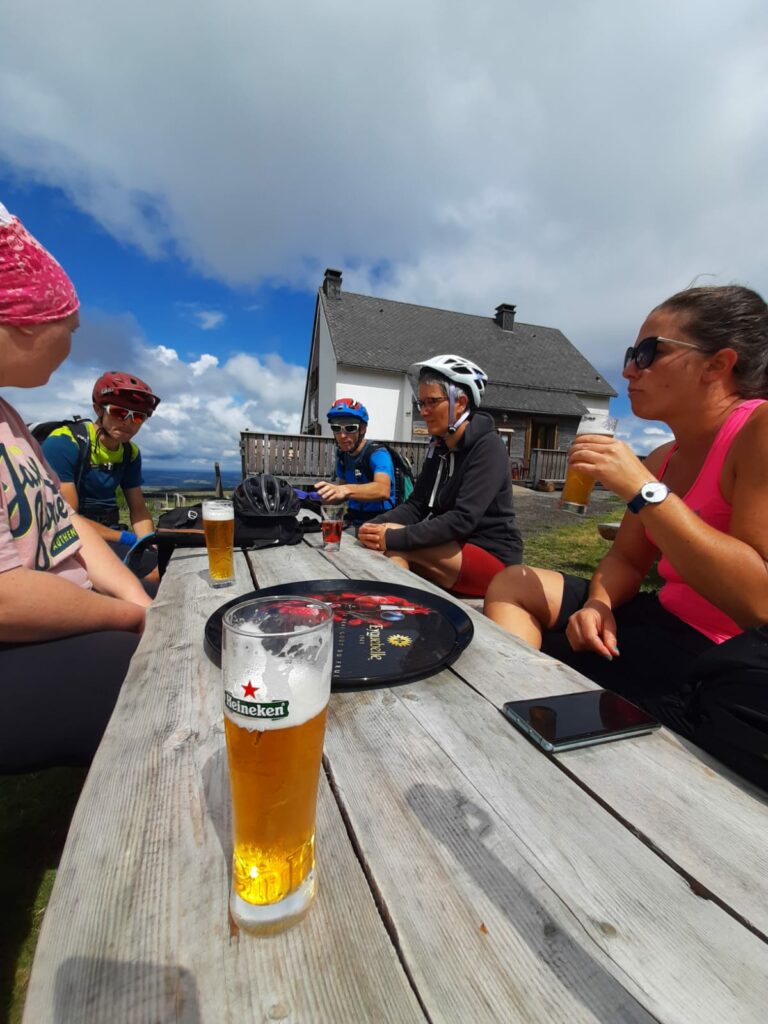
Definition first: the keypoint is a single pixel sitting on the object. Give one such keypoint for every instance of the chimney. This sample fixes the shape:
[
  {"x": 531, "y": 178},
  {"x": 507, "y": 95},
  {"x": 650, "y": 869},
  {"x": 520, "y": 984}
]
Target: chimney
[
  {"x": 505, "y": 316},
  {"x": 332, "y": 283}
]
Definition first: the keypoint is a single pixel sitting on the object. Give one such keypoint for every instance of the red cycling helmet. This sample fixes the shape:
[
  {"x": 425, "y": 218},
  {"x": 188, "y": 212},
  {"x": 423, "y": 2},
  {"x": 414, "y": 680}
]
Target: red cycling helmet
[{"x": 125, "y": 390}]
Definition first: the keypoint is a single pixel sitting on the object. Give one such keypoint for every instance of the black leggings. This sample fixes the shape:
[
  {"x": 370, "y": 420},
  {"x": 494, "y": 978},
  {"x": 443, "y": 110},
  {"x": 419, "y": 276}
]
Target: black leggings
[
  {"x": 657, "y": 654},
  {"x": 56, "y": 698}
]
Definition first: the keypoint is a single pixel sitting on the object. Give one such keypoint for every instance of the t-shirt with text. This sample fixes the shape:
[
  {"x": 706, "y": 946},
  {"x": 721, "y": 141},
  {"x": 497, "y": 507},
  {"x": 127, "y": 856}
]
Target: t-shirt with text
[{"x": 36, "y": 527}]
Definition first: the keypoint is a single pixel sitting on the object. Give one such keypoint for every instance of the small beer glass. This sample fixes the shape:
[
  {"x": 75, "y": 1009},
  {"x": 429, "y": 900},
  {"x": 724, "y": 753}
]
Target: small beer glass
[
  {"x": 332, "y": 525},
  {"x": 277, "y": 656},
  {"x": 578, "y": 486},
  {"x": 219, "y": 528}
]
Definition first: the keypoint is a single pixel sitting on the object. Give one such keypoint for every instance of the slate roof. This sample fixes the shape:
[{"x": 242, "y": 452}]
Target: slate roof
[
  {"x": 533, "y": 400},
  {"x": 386, "y": 335}
]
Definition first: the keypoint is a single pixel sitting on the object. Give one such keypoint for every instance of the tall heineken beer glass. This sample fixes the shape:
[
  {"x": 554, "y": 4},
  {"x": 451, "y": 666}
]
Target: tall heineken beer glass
[
  {"x": 578, "y": 487},
  {"x": 276, "y": 668},
  {"x": 219, "y": 529}
]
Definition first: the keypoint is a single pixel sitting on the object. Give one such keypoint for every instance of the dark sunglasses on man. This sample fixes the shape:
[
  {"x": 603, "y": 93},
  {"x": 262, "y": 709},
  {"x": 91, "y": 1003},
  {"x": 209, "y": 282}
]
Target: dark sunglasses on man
[
  {"x": 347, "y": 428},
  {"x": 117, "y": 412},
  {"x": 644, "y": 352}
]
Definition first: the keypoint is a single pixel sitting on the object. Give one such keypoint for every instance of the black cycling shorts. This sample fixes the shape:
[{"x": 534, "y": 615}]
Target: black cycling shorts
[{"x": 656, "y": 651}]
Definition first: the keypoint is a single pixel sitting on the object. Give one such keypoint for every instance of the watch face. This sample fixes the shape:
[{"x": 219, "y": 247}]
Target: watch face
[{"x": 654, "y": 492}]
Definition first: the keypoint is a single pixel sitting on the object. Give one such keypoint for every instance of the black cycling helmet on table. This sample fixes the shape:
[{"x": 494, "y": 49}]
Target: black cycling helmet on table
[{"x": 261, "y": 494}]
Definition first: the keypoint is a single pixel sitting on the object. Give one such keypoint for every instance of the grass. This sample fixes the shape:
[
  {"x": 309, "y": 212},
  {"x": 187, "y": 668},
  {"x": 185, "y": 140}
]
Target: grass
[
  {"x": 576, "y": 549},
  {"x": 35, "y": 810}
]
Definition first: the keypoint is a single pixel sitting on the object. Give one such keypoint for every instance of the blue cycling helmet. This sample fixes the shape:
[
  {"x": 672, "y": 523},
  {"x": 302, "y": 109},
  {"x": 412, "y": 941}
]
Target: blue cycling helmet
[{"x": 348, "y": 407}]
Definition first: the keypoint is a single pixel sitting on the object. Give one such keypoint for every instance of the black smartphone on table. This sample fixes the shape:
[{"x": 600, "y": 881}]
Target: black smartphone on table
[{"x": 582, "y": 719}]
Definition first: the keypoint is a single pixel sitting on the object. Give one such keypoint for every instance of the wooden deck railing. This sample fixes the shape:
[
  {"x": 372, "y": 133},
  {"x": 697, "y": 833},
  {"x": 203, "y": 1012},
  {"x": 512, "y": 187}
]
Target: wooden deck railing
[
  {"x": 304, "y": 457},
  {"x": 547, "y": 464}
]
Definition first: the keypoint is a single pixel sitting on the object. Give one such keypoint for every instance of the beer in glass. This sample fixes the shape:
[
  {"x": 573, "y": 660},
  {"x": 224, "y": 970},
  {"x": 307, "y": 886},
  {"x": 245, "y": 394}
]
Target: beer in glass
[
  {"x": 219, "y": 527},
  {"x": 277, "y": 656},
  {"x": 332, "y": 525},
  {"x": 578, "y": 486}
]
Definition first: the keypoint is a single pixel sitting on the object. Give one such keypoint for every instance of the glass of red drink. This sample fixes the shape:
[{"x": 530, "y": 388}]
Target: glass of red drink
[{"x": 332, "y": 525}]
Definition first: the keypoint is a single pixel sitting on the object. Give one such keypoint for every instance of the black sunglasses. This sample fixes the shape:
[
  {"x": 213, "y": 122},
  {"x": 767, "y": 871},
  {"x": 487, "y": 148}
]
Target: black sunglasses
[
  {"x": 644, "y": 352},
  {"x": 348, "y": 428}
]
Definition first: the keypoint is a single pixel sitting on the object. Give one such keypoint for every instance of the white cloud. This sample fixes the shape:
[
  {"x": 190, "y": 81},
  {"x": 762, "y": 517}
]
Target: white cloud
[
  {"x": 209, "y": 319},
  {"x": 439, "y": 154},
  {"x": 203, "y": 408},
  {"x": 642, "y": 438},
  {"x": 202, "y": 364},
  {"x": 580, "y": 160},
  {"x": 164, "y": 355}
]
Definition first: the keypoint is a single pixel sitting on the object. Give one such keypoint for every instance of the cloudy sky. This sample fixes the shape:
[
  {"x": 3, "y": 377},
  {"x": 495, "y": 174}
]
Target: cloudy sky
[{"x": 195, "y": 167}]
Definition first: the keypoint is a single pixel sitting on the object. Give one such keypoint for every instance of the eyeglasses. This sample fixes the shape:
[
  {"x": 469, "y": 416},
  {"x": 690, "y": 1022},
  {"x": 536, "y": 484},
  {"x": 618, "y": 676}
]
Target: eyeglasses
[
  {"x": 118, "y": 413},
  {"x": 644, "y": 352},
  {"x": 348, "y": 428},
  {"x": 430, "y": 403}
]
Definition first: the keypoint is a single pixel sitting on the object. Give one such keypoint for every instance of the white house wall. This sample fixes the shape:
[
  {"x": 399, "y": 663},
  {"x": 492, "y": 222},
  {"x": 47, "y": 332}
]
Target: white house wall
[
  {"x": 593, "y": 402},
  {"x": 386, "y": 396}
]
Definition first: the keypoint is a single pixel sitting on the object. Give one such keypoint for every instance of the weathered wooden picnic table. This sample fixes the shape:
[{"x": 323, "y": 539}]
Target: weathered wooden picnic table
[{"x": 464, "y": 875}]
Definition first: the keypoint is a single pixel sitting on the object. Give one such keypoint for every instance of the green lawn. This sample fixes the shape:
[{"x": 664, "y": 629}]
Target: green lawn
[
  {"x": 35, "y": 810},
  {"x": 576, "y": 549}
]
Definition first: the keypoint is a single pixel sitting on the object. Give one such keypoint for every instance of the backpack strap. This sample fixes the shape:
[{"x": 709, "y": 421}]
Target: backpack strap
[
  {"x": 365, "y": 461},
  {"x": 80, "y": 432},
  {"x": 365, "y": 455}
]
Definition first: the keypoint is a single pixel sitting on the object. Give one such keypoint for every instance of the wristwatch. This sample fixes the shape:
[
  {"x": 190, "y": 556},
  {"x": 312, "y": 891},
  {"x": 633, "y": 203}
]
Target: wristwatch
[{"x": 652, "y": 493}]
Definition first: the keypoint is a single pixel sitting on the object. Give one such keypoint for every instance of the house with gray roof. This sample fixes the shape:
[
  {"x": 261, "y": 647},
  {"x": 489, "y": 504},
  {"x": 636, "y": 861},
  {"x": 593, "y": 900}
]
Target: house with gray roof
[{"x": 539, "y": 383}]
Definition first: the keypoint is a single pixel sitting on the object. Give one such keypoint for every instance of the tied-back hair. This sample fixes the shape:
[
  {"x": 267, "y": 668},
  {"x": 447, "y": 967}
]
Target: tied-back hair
[
  {"x": 729, "y": 316},
  {"x": 430, "y": 376}
]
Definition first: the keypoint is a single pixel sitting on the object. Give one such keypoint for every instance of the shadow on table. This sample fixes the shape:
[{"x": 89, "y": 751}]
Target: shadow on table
[
  {"x": 96, "y": 989},
  {"x": 217, "y": 798},
  {"x": 462, "y": 827}
]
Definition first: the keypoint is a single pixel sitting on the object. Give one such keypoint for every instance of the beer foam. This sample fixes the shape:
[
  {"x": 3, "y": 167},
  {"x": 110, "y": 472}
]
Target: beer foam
[
  {"x": 260, "y": 686},
  {"x": 214, "y": 511}
]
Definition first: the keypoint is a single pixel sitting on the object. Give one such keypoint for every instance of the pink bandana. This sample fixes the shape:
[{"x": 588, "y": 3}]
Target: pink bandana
[{"x": 33, "y": 287}]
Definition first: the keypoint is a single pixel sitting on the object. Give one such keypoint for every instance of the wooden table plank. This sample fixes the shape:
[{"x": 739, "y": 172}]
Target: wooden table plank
[
  {"x": 696, "y": 813},
  {"x": 514, "y": 894},
  {"x": 137, "y": 928},
  {"x": 540, "y": 864}
]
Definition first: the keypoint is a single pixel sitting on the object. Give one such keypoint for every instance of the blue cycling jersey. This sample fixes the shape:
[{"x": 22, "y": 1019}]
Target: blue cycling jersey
[{"x": 351, "y": 469}]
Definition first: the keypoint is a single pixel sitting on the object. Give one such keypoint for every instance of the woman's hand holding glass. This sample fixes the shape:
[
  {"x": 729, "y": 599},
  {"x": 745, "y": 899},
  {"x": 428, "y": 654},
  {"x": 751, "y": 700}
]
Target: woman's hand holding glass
[{"x": 610, "y": 461}]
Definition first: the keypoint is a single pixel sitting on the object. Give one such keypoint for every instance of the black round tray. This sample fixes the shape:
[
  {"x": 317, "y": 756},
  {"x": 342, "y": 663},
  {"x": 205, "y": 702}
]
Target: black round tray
[{"x": 384, "y": 634}]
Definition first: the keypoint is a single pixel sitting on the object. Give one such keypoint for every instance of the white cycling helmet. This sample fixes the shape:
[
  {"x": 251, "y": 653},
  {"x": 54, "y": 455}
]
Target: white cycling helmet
[{"x": 457, "y": 369}]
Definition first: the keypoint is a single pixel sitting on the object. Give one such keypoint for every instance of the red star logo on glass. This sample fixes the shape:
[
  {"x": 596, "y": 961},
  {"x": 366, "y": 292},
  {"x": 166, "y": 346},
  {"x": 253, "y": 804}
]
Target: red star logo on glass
[{"x": 249, "y": 689}]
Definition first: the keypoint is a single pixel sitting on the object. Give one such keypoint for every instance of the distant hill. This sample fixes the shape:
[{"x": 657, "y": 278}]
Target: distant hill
[{"x": 187, "y": 479}]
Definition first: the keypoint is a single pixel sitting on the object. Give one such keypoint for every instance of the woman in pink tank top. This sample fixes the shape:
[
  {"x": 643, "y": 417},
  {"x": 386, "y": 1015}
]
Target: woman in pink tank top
[{"x": 697, "y": 504}]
